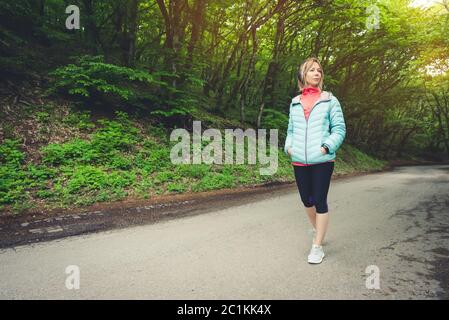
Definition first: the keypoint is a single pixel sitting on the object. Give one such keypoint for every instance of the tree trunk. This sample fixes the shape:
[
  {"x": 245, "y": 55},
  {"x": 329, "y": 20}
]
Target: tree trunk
[
  {"x": 242, "y": 110},
  {"x": 442, "y": 128},
  {"x": 259, "y": 115},
  {"x": 273, "y": 66},
  {"x": 132, "y": 33},
  {"x": 250, "y": 27},
  {"x": 197, "y": 17},
  {"x": 92, "y": 35},
  {"x": 175, "y": 22},
  {"x": 226, "y": 72}
]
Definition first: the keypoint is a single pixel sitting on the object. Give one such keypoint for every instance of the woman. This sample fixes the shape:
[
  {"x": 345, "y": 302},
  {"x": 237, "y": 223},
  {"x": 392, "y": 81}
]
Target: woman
[{"x": 316, "y": 130}]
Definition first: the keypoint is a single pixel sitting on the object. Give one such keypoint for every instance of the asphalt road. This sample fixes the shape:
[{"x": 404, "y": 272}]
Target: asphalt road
[{"x": 396, "y": 221}]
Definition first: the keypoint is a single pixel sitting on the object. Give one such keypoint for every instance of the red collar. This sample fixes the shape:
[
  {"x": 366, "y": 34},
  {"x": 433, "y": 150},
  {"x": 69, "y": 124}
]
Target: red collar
[{"x": 310, "y": 90}]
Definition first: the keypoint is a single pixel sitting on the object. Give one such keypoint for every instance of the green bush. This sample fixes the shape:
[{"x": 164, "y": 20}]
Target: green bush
[
  {"x": 84, "y": 179},
  {"x": 176, "y": 187},
  {"x": 60, "y": 154},
  {"x": 80, "y": 120},
  {"x": 214, "y": 181},
  {"x": 43, "y": 117},
  {"x": 153, "y": 160},
  {"x": 91, "y": 76},
  {"x": 164, "y": 176},
  {"x": 13, "y": 184},
  {"x": 273, "y": 119},
  {"x": 113, "y": 138},
  {"x": 13, "y": 180},
  {"x": 17, "y": 181},
  {"x": 40, "y": 174},
  {"x": 118, "y": 161},
  {"x": 197, "y": 171},
  {"x": 10, "y": 153}
]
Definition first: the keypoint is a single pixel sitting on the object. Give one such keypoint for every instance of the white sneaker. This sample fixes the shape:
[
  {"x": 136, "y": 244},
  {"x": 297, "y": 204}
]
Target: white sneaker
[{"x": 316, "y": 254}]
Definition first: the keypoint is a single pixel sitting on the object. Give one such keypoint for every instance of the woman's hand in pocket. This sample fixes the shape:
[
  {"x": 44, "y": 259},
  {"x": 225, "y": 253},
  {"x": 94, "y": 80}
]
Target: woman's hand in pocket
[{"x": 323, "y": 151}]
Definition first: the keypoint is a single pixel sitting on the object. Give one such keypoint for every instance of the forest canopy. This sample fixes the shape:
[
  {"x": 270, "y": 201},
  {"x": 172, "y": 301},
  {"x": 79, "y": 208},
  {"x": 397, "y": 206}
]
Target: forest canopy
[{"x": 387, "y": 61}]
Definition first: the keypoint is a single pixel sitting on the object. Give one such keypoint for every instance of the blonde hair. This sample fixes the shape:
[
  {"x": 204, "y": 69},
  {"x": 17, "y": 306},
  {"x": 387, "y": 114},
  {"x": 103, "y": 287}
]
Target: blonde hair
[{"x": 304, "y": 68}]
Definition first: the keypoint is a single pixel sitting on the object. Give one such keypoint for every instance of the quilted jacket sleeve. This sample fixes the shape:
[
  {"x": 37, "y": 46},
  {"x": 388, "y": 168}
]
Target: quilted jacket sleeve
[
  {"x": 337, "y": 127},
  {"x": 288, "y": 140}
]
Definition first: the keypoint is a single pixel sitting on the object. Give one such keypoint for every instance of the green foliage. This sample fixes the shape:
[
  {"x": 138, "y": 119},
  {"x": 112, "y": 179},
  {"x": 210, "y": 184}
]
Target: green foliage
[
  {"x": 273, "y": 119},
  {"x": 81, "y": 171},
  {"x": 13, "y": 184},
  {"x": 76, "y": 177},
  {"x": 80, "y": 120},
  {"x": 115, "y": 136},
  {"x": 13, "y": 179},
  {"x": 40, "y": 174},
  {"x": 90, "y": 180},
  {"x": 107, "y": 143},
  {"x": 91, "y": 76},
  {"x": 214, "y": 181},
  {"x": 153, "y": 157},
  {"x": 180, "y": 106},
  {"x": 159, "y": 132},
  {"x": 59, "y": 154},
  {"x": 172, "y": 112},
  {"x": 196, "y": 171},
  {"x": 174, "y": 78},
  {"x": 43, "y": 117},
  {"x": 10, "y": 153},
  {"x": 176, "y": 187},
  {"x": 164, "y": 176},
  {"x": 119, "y": 161}
]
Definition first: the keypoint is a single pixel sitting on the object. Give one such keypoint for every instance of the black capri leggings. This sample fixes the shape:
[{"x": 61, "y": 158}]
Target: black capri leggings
[{"x": 313, "y": 184}]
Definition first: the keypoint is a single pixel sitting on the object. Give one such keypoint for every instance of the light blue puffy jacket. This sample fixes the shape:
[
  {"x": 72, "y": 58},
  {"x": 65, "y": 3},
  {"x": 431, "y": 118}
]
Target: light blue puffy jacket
[{"x": 326, "y": 125}]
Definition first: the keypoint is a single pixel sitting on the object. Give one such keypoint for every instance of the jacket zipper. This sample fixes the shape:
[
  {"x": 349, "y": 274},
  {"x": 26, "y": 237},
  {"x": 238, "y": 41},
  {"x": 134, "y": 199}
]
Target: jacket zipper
[{"x": 307, "y": 123}]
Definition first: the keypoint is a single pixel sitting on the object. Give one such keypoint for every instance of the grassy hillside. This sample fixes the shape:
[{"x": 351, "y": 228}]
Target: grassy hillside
[{"x": 57, "y": 156}]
